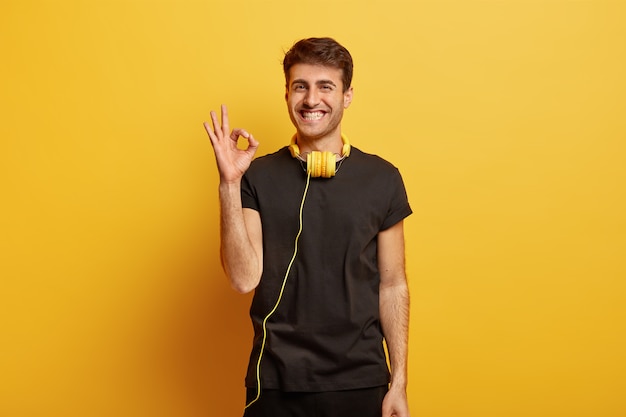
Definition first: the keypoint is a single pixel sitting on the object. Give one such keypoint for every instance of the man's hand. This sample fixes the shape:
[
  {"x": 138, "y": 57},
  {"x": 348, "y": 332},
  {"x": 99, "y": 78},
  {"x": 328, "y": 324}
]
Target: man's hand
[
  {"x": 395, "y": 403},
  {"x": 232, "y": 162}
]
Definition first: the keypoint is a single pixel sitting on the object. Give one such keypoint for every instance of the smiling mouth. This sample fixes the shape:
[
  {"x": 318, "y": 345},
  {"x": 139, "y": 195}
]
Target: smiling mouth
[{"x": 312, "y": 115}]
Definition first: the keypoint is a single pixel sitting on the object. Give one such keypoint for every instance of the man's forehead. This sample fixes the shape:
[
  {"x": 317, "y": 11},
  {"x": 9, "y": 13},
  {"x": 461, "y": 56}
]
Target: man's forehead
[{"x": 313, "y": 73}]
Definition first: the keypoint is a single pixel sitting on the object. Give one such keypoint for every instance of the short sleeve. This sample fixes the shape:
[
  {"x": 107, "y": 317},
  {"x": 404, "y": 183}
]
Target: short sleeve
[
  {"x": 399, "y": 207},
  {"x": 248, "y": 194}
]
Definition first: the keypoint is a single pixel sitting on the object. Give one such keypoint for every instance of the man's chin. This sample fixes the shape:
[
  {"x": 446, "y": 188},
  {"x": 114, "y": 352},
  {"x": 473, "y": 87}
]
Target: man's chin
[{"x": 309, "y": 132}]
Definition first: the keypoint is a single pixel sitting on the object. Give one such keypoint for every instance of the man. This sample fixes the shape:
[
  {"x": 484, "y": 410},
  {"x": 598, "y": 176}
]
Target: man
[{"x": 316, "y": 230}]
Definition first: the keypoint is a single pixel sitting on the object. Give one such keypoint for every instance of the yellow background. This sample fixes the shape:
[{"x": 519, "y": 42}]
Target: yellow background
[{"x": 506, "y": 118}]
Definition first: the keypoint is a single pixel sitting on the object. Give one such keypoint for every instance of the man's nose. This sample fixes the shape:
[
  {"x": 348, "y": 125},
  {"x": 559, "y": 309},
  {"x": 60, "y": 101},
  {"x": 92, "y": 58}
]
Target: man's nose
[{"x": 311, "y": 98}]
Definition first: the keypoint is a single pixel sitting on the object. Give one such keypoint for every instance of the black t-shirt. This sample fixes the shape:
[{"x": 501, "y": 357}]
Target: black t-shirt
[{"x": 325, "y": 335}]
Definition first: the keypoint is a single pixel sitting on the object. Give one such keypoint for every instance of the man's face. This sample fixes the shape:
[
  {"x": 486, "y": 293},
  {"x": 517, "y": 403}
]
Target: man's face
[{"x": 316, "y": 100}]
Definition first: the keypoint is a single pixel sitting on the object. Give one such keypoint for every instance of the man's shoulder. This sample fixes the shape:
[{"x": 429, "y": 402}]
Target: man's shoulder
[
  {"x": 272, "y": 156},
  {"x": 268, "y": 167},
  {"x": 370, "y": 159},
  {"x": 271, "y": 159}
]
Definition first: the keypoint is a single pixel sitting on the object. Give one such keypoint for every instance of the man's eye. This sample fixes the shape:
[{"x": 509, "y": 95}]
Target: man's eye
[{"x": 299, "y": 87}]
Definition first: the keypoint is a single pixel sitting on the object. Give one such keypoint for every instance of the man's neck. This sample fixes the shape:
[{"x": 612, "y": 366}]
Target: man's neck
[{"x": 332, "y": 143}]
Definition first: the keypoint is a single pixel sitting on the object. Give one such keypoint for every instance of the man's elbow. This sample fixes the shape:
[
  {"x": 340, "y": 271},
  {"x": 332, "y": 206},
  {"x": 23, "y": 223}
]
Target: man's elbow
[
  {"x": 245, "y": 284},
  {"x": 242, "y": 279},
  {"x": 242, "y": 288}
]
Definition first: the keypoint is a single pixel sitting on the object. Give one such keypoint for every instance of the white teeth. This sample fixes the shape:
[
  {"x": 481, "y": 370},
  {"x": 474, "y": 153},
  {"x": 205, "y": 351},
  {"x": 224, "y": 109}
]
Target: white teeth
[{"x": 312, "y": 115}]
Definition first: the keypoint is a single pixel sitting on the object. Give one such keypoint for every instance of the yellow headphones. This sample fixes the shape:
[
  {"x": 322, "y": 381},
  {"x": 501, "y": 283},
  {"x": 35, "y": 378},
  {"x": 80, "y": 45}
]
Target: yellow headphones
[{"x": 320, "y": 163}]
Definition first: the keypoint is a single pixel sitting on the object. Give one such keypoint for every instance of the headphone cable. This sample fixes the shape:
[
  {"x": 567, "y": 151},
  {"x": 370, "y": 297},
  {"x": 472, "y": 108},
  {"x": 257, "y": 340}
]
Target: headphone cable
[{"x": 280, "y": 295}]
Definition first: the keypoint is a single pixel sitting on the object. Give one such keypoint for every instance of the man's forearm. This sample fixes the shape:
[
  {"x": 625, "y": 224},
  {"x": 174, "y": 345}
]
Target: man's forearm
[{"x": 394, "y": 314}]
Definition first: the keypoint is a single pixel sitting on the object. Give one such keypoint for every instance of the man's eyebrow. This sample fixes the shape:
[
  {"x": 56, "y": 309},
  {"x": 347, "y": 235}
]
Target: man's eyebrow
[
  {"x": 299, "y": 81},
  {"x": 326, "y": 82},
  {"x": 319, "y": 82}
]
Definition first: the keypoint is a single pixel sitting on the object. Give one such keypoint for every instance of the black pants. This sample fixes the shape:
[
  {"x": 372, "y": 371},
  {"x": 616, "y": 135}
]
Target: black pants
[{"x": 366, "y": 402}]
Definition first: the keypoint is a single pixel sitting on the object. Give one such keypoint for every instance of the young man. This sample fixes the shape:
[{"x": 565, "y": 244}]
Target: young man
[{"x": 316, "y": 230}]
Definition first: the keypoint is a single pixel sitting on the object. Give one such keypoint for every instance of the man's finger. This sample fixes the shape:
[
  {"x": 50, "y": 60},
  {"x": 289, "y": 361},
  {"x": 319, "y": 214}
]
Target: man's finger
[
  {"x": 216, "y": 125},
  {"x": 234, "y": 135},
  {"x": 225, "y": 124},
  {"x": 209, "y": 129}
]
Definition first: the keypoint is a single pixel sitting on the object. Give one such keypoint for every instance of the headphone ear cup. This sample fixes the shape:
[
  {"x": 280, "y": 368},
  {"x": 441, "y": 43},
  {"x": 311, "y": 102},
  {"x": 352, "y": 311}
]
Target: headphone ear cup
[
  {"x": 323, "y": 165},
  {"x": 317, "y": 164},
  {"x": 312, "y": 164},
  {"x": 328, "y": 170},
  {"x": 333, "y": 165},
  {"x": 320, "y": 164}
]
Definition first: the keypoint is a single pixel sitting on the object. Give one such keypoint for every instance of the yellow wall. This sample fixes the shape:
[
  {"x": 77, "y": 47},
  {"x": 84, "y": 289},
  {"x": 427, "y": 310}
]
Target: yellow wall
[{"x": 505, "y": 117}]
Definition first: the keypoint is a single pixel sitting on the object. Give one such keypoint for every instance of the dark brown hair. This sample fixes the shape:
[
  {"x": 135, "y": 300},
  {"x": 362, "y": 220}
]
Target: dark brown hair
[{"x": 320, "y": 51}]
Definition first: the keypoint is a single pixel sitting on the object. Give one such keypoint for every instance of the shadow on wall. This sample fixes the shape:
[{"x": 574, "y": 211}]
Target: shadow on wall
[{"x": 202, "y": 346}]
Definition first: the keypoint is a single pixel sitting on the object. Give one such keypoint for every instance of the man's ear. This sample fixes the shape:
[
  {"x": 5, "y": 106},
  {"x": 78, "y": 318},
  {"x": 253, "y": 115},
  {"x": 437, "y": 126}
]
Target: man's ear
[{"x": 347, "y": 97}]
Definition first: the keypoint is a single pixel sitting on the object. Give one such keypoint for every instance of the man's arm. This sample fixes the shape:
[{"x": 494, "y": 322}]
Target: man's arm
[
  {"x": 240, "y": 229},
  {"x": 394, "y": 316},
  {"x": 241, "y": 245}
]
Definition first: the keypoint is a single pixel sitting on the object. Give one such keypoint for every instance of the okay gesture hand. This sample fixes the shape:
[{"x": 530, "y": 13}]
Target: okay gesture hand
[{"x": 232, "y": 162}]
